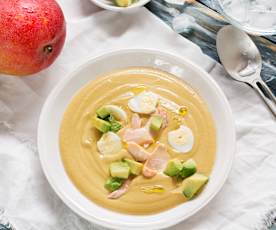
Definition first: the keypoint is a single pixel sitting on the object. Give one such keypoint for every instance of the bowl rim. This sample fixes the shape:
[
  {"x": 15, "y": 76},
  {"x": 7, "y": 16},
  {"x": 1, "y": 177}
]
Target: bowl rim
[
  {"x": 106, "y": 223},
  {"x": 114, "y": 8},
  {"x": 236, "y": 23}
]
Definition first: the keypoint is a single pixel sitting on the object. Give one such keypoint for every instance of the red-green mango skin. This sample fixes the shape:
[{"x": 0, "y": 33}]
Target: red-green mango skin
[{"x": 26, "y": 28}]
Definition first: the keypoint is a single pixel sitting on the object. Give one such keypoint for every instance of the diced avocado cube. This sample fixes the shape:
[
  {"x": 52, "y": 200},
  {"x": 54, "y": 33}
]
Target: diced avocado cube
[
  {"x": 189, "y": 168},
  {"x": 135, "y": 167},
  {"x": 173, "y": 168},
  {"x": 103, "y": 112},
  {"x": 123, "y": 3},
  {"x": 156, "y": 123},
  {"x": 113, "y": 184},
  {"x": 119, "y": 169},
  {"x": 101, "y": 125},
  {"x": 193, "y": 184}
]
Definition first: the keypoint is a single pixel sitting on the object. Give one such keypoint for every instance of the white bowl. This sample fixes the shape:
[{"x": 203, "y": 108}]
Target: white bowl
[
  {"x": 109, "y": 5},
  {"x": 52, "y": 113}
]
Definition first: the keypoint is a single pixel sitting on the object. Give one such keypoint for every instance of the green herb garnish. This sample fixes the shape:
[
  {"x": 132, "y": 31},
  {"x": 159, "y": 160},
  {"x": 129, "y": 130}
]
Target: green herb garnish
[{"x": 115, "y": 125}]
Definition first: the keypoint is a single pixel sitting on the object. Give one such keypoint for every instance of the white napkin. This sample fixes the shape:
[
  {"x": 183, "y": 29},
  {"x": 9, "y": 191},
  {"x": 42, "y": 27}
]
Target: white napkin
[{"x": 26, "y": 196}]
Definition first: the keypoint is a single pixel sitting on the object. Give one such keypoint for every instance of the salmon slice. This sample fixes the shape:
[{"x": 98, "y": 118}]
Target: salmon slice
[
  {"x": 140, "y": 136},
  {"x": 121, "y": 191},
  {"x": 149, "y": 173},
  {"x": 122, "y": 132},
  {"x": 136, "y": 121},
  {"x": 138, "y": 152},
  {"x": 157, "y": 161}
]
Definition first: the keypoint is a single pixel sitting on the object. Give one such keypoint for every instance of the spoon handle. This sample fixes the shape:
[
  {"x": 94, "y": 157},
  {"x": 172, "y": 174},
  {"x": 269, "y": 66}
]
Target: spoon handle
[{"x": 266, "y": 94}]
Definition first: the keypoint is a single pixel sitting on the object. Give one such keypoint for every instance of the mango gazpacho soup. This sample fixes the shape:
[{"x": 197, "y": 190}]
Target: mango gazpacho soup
[{"x": 138, "y": 141}]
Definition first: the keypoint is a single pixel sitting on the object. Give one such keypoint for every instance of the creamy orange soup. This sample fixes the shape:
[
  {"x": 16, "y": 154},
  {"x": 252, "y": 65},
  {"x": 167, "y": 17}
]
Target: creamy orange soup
[{"x": 88, "y": 169}]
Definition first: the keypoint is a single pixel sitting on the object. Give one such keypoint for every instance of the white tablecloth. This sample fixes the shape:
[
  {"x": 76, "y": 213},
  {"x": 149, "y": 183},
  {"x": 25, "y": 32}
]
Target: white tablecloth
[{"x": 25, "y": 195}]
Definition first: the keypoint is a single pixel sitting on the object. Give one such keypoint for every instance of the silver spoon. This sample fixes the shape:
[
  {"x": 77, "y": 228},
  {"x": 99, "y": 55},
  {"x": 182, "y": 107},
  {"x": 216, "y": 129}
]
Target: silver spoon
[{"x": 242, "y": 60}]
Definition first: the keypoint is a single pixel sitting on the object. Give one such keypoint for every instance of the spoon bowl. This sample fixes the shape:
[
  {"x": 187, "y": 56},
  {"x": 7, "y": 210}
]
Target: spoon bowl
[{"x": 242, "y": 60}]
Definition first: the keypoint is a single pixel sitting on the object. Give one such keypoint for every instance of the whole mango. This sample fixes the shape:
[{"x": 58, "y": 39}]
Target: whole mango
[{"x": 32, "y": 34}]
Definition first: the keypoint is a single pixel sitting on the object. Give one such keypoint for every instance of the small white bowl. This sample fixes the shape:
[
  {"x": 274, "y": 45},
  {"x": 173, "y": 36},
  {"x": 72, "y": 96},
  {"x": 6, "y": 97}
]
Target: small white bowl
[
  {"x": 52, "y": 113},
  {"x": 110, "y": 5}
]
